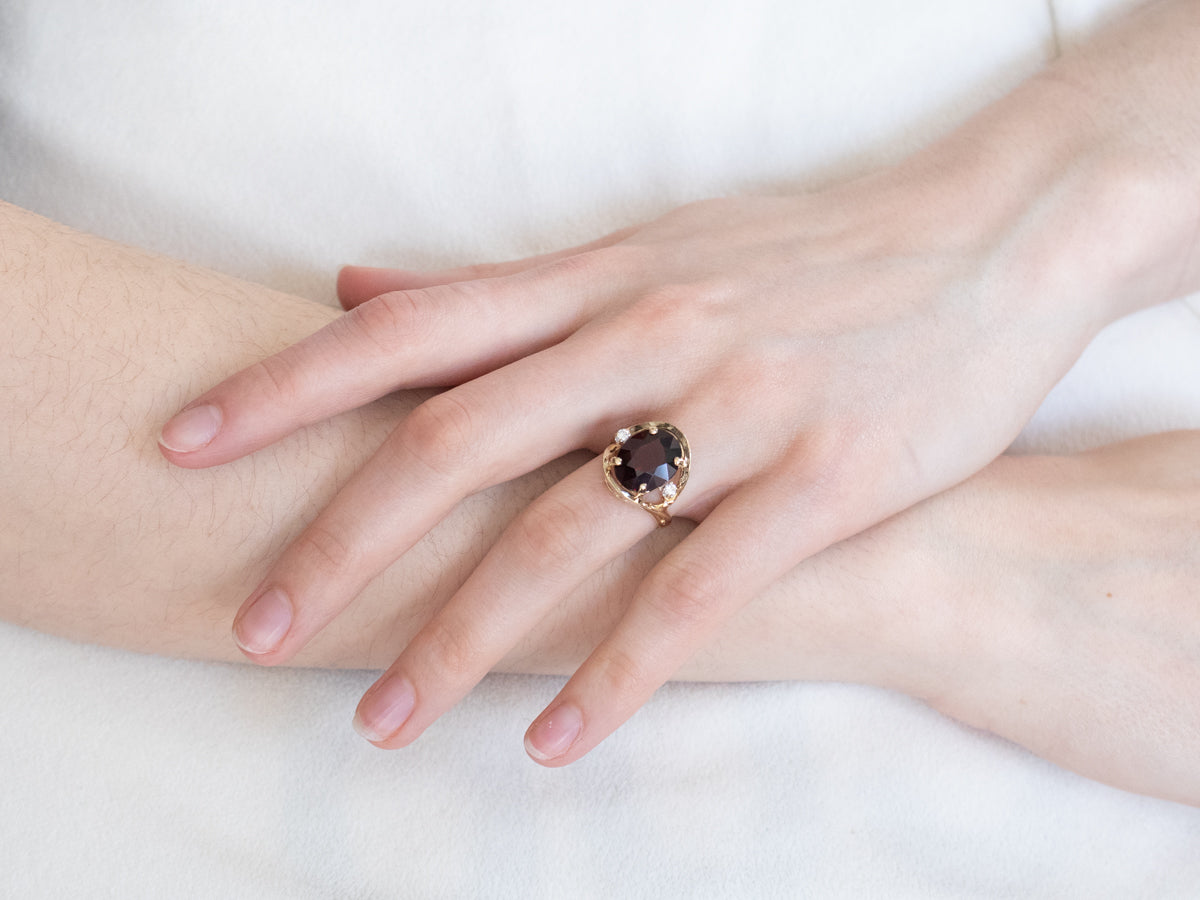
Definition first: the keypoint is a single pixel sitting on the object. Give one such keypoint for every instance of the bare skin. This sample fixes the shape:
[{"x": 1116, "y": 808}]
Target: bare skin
[
  {"x": 1048, "y": 599},
  {"x": 833, "y": 358}
]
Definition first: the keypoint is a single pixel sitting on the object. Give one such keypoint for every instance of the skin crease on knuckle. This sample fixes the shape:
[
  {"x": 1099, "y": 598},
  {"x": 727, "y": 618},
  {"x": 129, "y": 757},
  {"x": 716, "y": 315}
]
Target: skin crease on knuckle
[
  {"x": 620, "y": 681},
  {"x": 331, "y": 554},
  {"x": 393, "y": 324},
  {"x": 700, "y": 312},
  {"x": 282, "y": 381},
  {"x": 441, "y": 437},
  {"x": 686, "y": 596},
  {"x": 546, "y": 538},
  {"x": 445, "y": 652}
]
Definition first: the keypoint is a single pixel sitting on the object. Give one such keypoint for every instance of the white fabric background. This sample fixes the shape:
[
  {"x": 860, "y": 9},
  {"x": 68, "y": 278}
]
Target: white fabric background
[{"x": 275, "y": 140}]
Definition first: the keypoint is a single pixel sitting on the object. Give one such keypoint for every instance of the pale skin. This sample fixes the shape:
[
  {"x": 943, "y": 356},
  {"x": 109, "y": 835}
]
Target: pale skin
[
  {"x": 990, "y": 600},
  {"x": 834, "y": 358},
  {"x": 1049, "y": 599}
]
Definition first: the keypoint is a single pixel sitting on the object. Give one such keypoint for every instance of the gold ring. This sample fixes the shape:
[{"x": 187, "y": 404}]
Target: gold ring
[{"x": 648, "y": 465}]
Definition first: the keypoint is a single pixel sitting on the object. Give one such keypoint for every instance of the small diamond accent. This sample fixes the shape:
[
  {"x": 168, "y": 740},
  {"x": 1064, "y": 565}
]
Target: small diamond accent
[
  {"x": 669, "y": 490},
  {"x": 622, "y": 435}
]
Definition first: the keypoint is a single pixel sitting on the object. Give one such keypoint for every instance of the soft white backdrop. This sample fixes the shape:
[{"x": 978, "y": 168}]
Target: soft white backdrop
[{"x": 276, "y": 140}]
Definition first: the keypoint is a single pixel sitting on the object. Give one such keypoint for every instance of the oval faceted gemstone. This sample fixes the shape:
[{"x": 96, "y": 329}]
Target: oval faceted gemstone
[{"x": 647, "y": 461}]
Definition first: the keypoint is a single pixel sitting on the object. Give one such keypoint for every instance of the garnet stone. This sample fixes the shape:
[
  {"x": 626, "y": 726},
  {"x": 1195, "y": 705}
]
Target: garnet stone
[{"x": 647, "y": 461}]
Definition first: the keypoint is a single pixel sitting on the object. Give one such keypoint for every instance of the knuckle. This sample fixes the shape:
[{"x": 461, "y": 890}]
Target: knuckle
[
  {"x": 448, "y": 650},
  {"x": 548, "y": 537},
  {"x": 622, "y": 679},
  {"x": 694, "y": 309},
  {"x": 440, "y": 434},
  {"x": 683, "y": 596},
  {"x": 669, "y": 301},
  {"x": 758, "y": 372},
  {"x": 831, "y": 462},
  {"x": 715, "y": 298},
  {"x": 391, "y": 322},
  {"x": 325, "y": 550},
  {"x": 840, "y": 478},
  {"x": 280, "y": 378},
  {"x": 743, "y": 380}
]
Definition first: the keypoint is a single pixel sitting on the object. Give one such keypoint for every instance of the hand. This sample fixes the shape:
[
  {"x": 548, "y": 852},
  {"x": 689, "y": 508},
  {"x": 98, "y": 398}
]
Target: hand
[{"x": 832, "y": 359}]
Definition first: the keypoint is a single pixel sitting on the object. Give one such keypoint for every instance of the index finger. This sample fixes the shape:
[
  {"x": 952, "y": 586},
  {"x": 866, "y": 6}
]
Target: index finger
[
  {"x": 435, "y": 336},
  {"x": 358, "y": 284}
]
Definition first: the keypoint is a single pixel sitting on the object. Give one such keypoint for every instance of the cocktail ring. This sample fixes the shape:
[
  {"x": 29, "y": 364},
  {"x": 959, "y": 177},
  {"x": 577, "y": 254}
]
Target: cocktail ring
[{"x": 648, "y": 464}]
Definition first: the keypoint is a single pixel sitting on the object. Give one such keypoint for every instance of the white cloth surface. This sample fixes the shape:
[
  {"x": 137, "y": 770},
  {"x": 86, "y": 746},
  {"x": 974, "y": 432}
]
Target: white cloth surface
[{"x": 276, "y": 140}]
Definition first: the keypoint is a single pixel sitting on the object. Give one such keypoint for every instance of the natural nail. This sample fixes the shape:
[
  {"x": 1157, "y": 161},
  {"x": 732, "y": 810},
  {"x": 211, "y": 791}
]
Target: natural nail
[
  {"x": 191, "y": 429},
  {"x": 261, "y": 627},
  {"x": 553, "y": 734},
  {"x": 384, "y": 708}
]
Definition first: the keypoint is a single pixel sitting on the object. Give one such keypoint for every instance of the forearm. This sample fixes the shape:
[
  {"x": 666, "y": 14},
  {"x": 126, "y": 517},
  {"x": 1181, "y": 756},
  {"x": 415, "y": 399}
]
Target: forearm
[{"x": 103, "y": 541}]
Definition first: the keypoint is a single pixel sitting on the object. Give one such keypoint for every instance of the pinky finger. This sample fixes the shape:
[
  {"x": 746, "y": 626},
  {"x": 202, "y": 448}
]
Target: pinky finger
[
  {"x": 730, "y": 558},
  {"x": 358, "y": 284}
]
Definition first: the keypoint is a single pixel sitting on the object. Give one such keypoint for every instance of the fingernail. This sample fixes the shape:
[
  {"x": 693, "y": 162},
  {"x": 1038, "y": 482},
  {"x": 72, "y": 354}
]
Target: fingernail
[
  {"x": 261, "y": 627},
  {"x": 191, "y": 429},
  {"x": 553, "y": 734},
  {"x": 384, "y": 708}
]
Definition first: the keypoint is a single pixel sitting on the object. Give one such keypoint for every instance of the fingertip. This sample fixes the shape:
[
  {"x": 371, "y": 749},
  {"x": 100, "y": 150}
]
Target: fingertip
[
  {"x": 365, "y": 732},
  {"x": 261, "y": 625},
  {"x": 553, "y": 734},
  {"x": 384, "y": 710},
  {"x": 191, "y": 429},
  {"x": 348, "y": 278},
  {"x": 358, "y": 284}
]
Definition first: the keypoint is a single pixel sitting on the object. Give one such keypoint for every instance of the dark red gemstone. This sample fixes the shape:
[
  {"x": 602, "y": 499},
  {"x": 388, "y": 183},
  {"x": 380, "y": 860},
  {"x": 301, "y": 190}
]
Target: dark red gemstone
[{"x": 647, "y": 461}]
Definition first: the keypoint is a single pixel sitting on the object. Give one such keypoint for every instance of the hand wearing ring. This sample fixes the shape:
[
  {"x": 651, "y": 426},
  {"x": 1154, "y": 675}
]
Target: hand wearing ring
[{"x": 830, "y": 369}]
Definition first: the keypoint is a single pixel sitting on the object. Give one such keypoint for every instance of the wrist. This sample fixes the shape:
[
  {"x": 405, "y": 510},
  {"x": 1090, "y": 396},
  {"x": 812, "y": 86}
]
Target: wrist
[
  {"x": 1115, "y": 222},
  {"x": 1079, "y": 215}
]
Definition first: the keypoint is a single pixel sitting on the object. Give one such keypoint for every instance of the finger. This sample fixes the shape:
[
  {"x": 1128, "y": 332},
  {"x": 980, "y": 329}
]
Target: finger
[
  {"x": 441, "y": 335},
  {"x": 357, "y": 284},
  {"x": 566, "y": 534},
  {"x": 487, "y": 431},
  {"x": 732, "y": 556}
]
